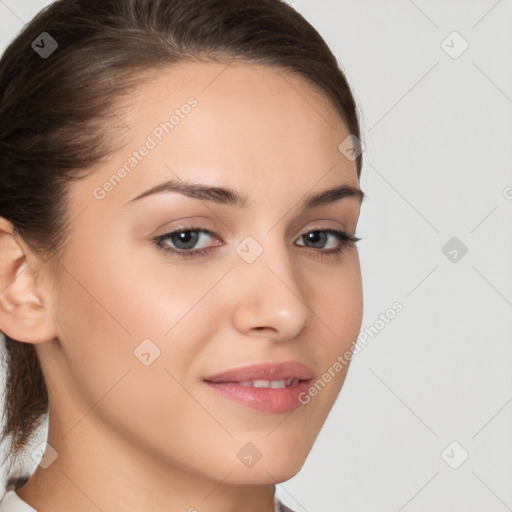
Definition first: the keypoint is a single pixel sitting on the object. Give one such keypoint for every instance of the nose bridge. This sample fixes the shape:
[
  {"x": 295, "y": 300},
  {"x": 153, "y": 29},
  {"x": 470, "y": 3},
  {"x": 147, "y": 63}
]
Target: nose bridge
[{"x": 270, "y": 291}]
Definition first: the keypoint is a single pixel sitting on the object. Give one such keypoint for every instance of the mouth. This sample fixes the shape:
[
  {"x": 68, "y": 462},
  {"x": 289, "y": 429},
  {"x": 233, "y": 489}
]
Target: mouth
[{"x": 268, "y": 387}]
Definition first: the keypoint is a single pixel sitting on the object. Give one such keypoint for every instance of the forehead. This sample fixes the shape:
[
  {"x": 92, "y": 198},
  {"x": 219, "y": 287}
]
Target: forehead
[{"x": 249, "y": 126}]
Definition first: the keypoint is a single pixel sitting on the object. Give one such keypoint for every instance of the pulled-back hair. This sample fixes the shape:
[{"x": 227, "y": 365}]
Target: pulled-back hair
[{"x": 59, "y": 117}]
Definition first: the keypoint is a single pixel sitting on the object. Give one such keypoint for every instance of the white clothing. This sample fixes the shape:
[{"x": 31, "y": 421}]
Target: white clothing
[{"x": 11, "y": 502}]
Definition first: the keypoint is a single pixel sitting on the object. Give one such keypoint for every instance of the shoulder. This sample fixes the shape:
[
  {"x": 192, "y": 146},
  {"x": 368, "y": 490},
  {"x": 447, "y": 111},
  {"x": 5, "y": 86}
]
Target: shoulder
[{"x": 10, "y": 501}]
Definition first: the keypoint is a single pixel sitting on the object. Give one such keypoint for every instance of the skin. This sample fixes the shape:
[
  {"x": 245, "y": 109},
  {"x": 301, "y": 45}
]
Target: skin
[{"x": 152, "y": 437}]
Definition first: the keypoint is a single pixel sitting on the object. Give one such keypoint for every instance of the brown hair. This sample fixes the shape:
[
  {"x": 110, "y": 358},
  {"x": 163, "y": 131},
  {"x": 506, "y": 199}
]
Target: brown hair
[{"x": 59, "y": 119}]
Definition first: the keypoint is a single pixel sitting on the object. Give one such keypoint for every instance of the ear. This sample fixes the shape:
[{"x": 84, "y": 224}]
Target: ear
[{"x": 25, "y": 313}]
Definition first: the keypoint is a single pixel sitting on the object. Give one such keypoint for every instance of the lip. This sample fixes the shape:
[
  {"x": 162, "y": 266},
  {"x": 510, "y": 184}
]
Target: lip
[
  {"x": 264, "y": 371},
  {"x": 267, "y": 400}
]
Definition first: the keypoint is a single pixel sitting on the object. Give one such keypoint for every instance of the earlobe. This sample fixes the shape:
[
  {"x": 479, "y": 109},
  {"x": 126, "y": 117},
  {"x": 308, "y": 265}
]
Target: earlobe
[{"x": 24, "y": 309}]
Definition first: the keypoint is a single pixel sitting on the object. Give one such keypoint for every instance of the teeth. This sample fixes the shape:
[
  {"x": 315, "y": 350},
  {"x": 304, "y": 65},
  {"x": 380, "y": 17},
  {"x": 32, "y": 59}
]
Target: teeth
[{"x": 269, "y": 383}]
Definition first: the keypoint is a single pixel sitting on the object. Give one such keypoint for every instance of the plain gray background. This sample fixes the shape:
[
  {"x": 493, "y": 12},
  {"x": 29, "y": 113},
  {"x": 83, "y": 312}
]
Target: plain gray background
[{"x": 424, "y": 420}]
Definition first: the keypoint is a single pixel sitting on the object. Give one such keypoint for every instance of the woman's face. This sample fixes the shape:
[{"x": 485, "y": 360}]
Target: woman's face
[{"x": 140, "y": 328}]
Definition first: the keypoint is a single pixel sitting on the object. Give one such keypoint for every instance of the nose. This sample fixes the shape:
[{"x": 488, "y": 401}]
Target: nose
[{"x": 270, "y": 296}]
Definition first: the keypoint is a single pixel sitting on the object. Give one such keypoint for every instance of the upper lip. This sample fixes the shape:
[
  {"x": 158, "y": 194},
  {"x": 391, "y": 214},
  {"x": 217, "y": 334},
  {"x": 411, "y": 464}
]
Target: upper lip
[{"x": 264, "y": 371}]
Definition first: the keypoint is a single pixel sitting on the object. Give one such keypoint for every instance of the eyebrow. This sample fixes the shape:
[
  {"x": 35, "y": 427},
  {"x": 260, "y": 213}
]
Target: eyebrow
[{"x": 229, "y": 196}]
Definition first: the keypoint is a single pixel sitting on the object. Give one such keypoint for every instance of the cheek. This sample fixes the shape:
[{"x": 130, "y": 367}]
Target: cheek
[
  {"x": 338, "y": 302},
  {"x": 122, "y": 291},
  {"x": 113, "y": 310},
  {"x": 105, "y": 313}
]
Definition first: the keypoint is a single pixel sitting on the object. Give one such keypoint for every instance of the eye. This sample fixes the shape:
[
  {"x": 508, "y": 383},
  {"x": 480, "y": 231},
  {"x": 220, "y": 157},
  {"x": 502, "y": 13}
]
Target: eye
[
  {"x": 341, "y": 241},
  {"x": 184, "y": 240}
]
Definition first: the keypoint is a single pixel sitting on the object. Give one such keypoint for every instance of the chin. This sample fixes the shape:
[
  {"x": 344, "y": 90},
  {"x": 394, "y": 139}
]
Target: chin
[{"x": 269, "y": 471}]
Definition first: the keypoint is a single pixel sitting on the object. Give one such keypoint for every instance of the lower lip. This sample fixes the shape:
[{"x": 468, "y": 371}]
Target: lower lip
[{"x": 269, "y": 400}]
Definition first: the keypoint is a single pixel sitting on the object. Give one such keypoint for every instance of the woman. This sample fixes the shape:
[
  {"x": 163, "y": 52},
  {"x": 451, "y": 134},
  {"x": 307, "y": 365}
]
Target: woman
[{"x": 179, "y": 194}]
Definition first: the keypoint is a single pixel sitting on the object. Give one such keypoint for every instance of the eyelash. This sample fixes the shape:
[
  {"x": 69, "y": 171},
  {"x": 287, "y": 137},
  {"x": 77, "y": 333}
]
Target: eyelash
[{"x": 346, "y": 240}]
